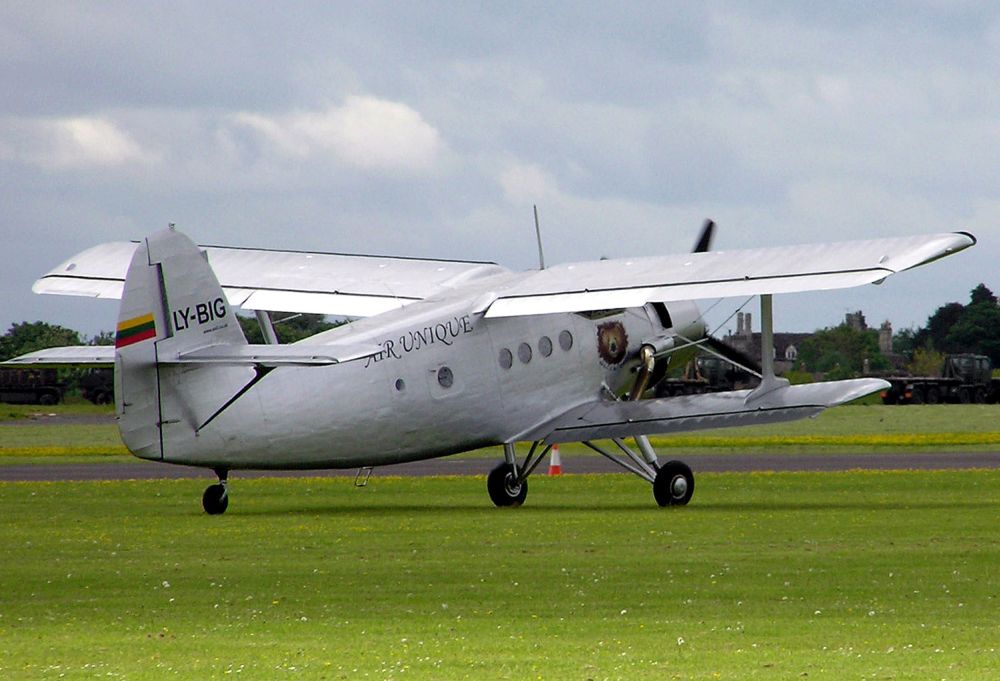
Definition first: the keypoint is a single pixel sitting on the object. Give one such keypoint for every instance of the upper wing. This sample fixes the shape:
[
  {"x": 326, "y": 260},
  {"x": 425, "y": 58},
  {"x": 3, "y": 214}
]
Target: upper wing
[
  {"x": 298, "y": 281},
  {"x": 598, "y": 420},
  {"x": 359, "y": 285},
  {"x": 613, "y": 284}
]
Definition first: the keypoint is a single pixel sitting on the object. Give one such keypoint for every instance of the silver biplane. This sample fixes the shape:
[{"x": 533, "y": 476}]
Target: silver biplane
[{"x": 444, "y": 356}]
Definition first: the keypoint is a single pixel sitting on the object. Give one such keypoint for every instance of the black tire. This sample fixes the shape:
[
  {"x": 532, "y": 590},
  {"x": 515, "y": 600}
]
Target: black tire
[
  {"x": 674, "y": 484},
  {"x": 964, "y": 396},
  {"x": 48, "y": 399},
  {"x": 101, "y": 397},
  {"x": 933, "y": 396},
  {"x": 980, "y": 396},
  {"x": 503, "y": 491},
  {"x": 215, "y": 500},
  {"x": 917, "y": 396}
]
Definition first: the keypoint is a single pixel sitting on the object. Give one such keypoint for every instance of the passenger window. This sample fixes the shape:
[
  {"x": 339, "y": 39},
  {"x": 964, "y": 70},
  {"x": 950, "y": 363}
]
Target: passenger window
[
  {"x": 524, "y": 352},
  {"x": 445, "y": 377},
  {"x": 506, "y": 359},
  {"x": 545, "y": 346}
]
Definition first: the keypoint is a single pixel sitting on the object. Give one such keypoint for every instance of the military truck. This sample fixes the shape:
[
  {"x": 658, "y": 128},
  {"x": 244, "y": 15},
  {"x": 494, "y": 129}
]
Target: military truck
[
  {"x": 704, "y": 374},
  {"x": 964, "y": 379},
  {"x": 31, "y": 386},
  {"x": 98, "y": 386}
]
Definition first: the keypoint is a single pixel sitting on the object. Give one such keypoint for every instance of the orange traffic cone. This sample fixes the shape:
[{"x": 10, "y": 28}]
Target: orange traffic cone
[{"x": 555, "y": 462}]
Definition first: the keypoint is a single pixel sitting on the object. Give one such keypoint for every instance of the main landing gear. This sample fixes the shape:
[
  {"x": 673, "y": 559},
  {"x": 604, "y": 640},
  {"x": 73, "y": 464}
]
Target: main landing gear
[
  {"x": 673, "y": 482},
  {"x": 508, "y": 482},
  {"x": 215, "y": 500}
]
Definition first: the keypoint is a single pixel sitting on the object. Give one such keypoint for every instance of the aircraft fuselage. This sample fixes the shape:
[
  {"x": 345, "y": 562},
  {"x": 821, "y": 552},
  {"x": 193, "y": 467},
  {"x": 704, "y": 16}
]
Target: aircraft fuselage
[{"x": 445, "y": 381}]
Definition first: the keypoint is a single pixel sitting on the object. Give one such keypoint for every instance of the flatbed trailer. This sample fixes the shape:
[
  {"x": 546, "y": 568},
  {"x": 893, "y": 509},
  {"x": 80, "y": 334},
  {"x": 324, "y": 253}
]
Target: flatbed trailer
[{"x": 965, "y": 379}]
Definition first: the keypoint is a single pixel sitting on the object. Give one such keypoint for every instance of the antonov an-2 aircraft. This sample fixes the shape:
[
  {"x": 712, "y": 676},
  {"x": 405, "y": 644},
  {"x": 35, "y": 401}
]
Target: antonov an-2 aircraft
[{"x": 445, "y": 356}]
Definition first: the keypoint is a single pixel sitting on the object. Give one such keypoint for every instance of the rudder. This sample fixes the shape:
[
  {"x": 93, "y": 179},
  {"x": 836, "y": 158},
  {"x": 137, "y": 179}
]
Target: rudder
[{"x": 172, "y": 303}]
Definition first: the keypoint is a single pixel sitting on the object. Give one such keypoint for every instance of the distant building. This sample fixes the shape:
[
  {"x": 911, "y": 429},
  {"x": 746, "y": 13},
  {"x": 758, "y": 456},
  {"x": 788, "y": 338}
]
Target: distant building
[
  {"x": 856, "y": 320},
  {"x": 786, "y": 345}
]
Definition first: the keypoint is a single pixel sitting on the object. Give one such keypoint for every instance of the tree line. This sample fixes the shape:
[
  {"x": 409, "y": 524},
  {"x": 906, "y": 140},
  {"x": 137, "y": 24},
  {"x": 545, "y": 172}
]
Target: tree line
[{"x": 845, "y": 352}]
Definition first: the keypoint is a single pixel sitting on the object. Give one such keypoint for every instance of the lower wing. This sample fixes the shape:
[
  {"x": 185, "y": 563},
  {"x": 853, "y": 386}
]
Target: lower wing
[{"x": 601, "y": 420}]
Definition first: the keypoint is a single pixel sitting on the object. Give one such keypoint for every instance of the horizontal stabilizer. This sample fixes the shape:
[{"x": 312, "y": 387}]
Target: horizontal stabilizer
[
  {"x": 68, "y": 356},
  {"x": 275, "y": 355},
  {"x": 602, "y": 420},
  {"x": 246, "y": 355}
]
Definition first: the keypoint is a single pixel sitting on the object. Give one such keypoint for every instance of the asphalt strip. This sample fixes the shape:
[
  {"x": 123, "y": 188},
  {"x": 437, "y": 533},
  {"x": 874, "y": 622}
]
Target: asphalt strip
[{"x": 700, "y": 463}]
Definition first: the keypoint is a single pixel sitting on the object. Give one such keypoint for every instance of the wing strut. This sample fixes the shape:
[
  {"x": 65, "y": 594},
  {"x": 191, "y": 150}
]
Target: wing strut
[
  {"x": 768, "y": 381},
  {"x": 266, "y": 327}
]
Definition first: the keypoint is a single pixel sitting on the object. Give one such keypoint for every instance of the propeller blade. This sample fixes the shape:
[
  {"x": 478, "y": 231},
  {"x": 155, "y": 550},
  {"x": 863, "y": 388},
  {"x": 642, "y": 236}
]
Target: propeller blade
[{"x": 704, "y": 243}]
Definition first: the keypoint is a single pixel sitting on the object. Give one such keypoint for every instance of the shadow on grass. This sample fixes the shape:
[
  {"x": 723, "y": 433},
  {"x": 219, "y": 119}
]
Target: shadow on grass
[{"x": 392, "y": 510}]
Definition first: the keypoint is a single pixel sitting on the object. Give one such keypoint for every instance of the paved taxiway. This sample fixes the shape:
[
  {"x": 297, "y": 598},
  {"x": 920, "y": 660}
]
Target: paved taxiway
[{"x": 456, "y": 465}]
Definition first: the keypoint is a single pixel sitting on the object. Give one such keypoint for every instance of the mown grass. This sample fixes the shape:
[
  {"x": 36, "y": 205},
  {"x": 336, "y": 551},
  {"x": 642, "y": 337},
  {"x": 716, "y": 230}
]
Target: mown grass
[
  {"x": 829, "y": 576},
  {"x": 74, "y": 407},
  {"x": 845, "y": 429}
]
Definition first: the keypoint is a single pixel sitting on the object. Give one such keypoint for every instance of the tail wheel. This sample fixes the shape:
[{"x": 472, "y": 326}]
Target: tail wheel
[
  {"x": 504, "y": 488},
  {"x": 674, "y": 484}
]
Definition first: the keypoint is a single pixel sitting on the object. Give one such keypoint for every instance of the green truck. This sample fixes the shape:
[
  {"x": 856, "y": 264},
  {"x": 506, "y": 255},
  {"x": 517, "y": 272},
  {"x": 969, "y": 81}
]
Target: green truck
[
  {"x": 964, "y": 379},
  {"x": 31, "y": 386}
]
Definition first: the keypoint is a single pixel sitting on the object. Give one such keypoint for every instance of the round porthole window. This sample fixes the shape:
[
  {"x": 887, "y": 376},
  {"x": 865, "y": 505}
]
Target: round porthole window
[
  {"x": 400, "y": 385},
  {"x": 505, "y": 359},
  {"x": 524, "y": 352},
  {"x": 545, "y": 346},
  {"x": 445, "y": 377},
  {"x": 565, "y": 340}
]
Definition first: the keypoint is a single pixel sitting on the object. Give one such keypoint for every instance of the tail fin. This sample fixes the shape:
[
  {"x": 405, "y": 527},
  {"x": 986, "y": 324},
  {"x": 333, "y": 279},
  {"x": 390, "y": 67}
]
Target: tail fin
[{"x": 172, "y": 303}]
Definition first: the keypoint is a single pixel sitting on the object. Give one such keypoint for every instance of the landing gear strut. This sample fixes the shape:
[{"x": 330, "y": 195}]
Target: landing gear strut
[
  {"x": 673, "y": 482},
  {"x": 508, "y": 482},
  {"x": 215, "y": 500}
]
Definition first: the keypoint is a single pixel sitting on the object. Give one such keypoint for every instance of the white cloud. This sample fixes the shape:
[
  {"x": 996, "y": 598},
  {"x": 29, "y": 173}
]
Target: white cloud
[
  {"x": 525, "y": 182},
  {"x": 69, "y": 143},
  {"x": 366, "y": 132}
]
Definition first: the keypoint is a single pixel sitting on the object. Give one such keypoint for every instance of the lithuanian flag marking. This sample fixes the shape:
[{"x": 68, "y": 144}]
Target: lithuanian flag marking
[{"x": 134, "y": 330}]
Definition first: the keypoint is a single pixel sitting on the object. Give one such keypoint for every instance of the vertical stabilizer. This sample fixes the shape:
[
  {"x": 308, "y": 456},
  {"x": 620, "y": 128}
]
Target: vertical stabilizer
[{"x": 172, "y": 303}]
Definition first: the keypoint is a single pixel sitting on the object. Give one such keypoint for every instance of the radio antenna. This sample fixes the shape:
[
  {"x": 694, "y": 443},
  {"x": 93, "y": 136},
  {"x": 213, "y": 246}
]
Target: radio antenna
[{"x": 538, "y": 237}]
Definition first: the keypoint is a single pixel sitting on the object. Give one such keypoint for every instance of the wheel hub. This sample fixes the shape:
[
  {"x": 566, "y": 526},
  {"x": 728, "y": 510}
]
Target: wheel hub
[{"x": 678, "y": 486}]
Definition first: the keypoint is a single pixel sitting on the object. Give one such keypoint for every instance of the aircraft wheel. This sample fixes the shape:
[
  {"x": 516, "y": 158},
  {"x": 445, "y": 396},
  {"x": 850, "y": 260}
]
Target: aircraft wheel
[
  {"x": 215, "y": 500},
  {"x": 674, "y": 484},
  {"x": 503, "y": 487}
]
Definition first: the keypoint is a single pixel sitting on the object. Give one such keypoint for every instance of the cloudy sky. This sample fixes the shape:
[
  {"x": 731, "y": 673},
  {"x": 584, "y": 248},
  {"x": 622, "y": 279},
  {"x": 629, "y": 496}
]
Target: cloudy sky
[{"x": 428, "y": 129}]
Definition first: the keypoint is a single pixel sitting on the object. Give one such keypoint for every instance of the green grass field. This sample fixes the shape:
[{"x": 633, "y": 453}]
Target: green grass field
[
  {"x": 846, "y": 429},
  {"x": 830, "y": 576}
]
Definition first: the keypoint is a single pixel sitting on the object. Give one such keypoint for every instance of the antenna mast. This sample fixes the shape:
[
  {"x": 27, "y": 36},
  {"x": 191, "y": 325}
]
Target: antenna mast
[{"x": 538, "y": 236}]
